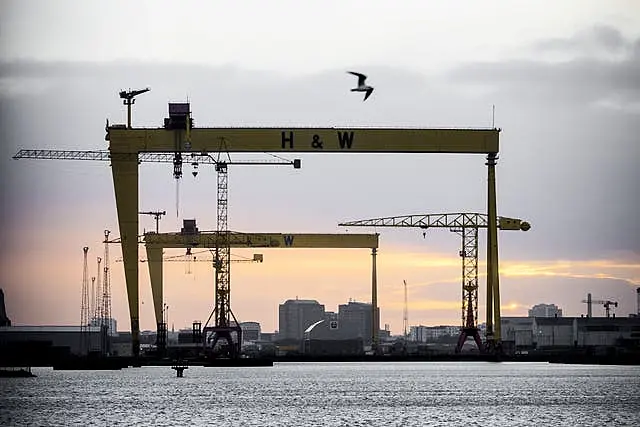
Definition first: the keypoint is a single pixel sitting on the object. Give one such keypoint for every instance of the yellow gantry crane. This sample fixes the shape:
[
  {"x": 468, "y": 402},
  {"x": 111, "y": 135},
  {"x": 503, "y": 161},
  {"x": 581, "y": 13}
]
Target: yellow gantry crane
[
  {"x": 467, "y": 225},
  {"x": 129, "y": 146}
]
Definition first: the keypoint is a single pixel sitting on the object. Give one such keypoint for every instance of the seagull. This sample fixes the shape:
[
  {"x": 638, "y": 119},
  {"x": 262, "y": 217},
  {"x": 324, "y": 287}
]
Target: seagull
[{"x": 361, "y": 86}]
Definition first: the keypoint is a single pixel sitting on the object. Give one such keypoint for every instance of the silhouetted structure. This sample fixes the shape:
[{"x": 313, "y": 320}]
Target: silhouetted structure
[{"x": 4, "y": 320}]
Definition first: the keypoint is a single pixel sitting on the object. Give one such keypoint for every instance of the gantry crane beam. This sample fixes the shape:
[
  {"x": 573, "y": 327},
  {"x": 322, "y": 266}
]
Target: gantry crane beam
[
  {"x": 127, "y": 146},
  {"x": 106, "y": 156},
  {"x": 156, "y": 242},
  {"x": 467, "y": 225},
  {"x": 309, "y": 140}
]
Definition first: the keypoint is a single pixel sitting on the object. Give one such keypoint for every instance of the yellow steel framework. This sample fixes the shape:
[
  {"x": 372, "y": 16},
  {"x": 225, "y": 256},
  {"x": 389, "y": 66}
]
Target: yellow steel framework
[
  {"x": 127, "y": 144},
  {"x": 156, "y": 242}
]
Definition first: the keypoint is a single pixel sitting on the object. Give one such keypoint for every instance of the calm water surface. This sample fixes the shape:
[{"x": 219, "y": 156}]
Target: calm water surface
[{"x": 329, "y": 394}]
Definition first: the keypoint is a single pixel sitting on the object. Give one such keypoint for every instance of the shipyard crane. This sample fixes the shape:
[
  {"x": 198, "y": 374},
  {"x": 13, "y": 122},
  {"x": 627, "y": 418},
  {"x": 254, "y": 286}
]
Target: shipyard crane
[
  {"x": 222, "y": 314},
  {"x": 105, "y": 302},
  {"x": 156, "y": 215},
  {"x": 180, "y": 118},
  {"x": 128, "y": 145},
  {"x": 84, "y": 304},
  {"x": 467, "y": 225},
  {"x": 128, "y": 97},
  {"x": 607, "y": 304}
]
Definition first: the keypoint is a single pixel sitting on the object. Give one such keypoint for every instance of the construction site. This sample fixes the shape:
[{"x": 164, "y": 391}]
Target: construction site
[{"x": 219, "y": 339}]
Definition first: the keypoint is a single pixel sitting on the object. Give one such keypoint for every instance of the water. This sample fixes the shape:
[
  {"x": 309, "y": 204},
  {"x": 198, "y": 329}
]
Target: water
[{"x": 329, "y": 394}]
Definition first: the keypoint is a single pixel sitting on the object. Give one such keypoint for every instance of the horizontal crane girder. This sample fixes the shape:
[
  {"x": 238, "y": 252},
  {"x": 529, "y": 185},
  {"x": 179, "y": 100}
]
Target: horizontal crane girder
[
  {"x": 292, "y": 139},
  {"x": 445, "y": 220},
  {"x": 263, "y": 240}
]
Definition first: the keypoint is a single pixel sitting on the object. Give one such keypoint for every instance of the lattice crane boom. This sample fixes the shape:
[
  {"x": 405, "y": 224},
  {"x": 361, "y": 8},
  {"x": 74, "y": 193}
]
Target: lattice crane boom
[
  {"x": 443, "y": 220},
  {"x": 182, "y": 258},
  {"x": 145, "y": 157},
  {"x": 466, "y": 225}
]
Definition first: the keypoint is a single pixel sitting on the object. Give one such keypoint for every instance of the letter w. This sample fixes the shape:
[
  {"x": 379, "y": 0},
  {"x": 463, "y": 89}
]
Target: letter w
[
  {"x": 345, "y": 138},
  {"x": 288, "y": 240}
]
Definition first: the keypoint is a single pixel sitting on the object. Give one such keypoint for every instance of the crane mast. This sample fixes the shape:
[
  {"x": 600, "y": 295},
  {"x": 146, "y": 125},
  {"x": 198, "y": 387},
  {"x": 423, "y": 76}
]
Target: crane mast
[
  {"x": 98, "y": 296},
  {"x": 222, "y": 314},
  {"x": 405, "y": 313},
  {"x": 84, "y": 305},
  {"x": 105, "y": 304}
]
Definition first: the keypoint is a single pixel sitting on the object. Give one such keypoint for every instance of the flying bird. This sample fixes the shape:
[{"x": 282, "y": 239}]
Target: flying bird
[{"x": 362, "y": 87}]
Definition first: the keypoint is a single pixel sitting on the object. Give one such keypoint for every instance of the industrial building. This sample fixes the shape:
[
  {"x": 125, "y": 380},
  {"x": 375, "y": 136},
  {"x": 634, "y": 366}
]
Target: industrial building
[
  {"x": 44, "y": 343},
  {"x": 545, "y": 310},
  {"x": 250, "y": 332},
  {"x": 422, "y": 333},
  {"x": 332, "y": 338},
  {"x": 296, "y": 315},
  {"x": 356, "y": 320},
  {"x": 524, "y": 334},
  {"x": 305, "y": 327}
]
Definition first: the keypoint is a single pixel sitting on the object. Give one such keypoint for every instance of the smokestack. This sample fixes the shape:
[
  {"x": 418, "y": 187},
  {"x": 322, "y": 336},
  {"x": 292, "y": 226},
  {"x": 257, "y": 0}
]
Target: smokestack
[
  {"x": 638, "y": 291},
  {"x": 589, "y": 304}
]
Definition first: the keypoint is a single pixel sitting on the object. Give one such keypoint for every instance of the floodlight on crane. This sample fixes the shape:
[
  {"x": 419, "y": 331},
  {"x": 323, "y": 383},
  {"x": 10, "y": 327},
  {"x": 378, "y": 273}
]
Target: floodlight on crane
[{"x": 128, "y": 97}]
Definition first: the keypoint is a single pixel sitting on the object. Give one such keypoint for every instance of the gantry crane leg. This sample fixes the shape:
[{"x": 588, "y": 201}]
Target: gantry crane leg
[
  {"x": 125, "y": 182},
  {"x": 375, "y": 313},
  {"x": 493, "y": 275}
]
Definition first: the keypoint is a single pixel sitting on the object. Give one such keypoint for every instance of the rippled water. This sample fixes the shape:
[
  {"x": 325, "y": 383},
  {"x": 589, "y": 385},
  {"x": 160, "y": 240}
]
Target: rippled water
[{"x": 329, "y": 394}]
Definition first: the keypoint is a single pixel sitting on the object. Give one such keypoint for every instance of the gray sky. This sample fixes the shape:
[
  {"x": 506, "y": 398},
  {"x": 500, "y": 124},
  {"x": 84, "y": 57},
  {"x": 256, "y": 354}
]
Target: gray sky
[{"x": 564, "y": 80}]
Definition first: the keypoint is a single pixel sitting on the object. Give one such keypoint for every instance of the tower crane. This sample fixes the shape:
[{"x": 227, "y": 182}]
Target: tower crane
[
  {"x": 606, "y": 303},
  {"x": 405, "y": 313},
  {"x": 156, "y": 215},
  {"x": 128, "y": 97},
  {"x": 222, "y": 313},
  {"x": 467, "y": 225},
  {"x": 84, "y": 305}
]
